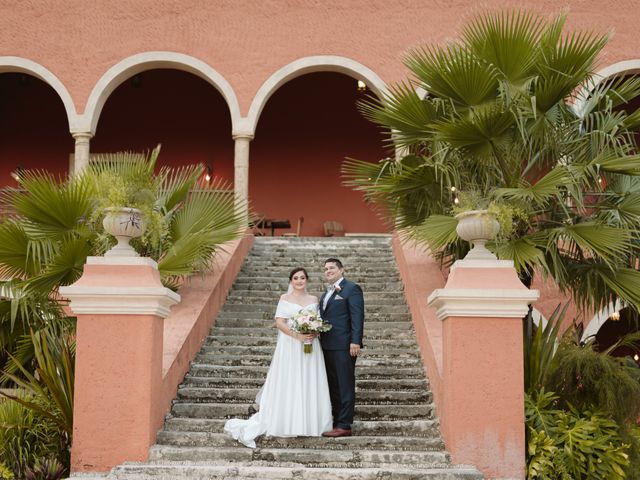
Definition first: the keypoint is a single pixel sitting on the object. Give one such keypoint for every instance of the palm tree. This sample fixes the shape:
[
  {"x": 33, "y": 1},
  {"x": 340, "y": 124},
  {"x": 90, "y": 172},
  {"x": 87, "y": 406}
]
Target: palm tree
[
  {"x": 508, "y": 114},
  {"x": 57, "y": 223}
]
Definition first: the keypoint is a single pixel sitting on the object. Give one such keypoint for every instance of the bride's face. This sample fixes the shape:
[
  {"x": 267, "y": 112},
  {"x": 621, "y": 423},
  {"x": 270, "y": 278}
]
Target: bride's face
[{"x": 299, "y": 281}]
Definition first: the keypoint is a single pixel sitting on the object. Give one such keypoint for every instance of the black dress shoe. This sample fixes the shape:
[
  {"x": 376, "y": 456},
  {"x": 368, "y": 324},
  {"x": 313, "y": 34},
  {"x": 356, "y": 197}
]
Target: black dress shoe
[{"x": 338, "y": 432}]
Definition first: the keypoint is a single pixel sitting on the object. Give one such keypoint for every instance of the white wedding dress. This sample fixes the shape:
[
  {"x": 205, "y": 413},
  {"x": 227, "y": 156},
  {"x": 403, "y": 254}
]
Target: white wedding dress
[{"x": 294, "y": 400}]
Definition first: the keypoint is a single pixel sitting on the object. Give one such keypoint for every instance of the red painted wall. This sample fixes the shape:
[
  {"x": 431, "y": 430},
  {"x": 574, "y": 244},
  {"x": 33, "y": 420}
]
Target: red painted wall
[
  {"x": 304, "y": 133},
  {"x": 177, "y": 109},
  {"x": 34, "y": 132}
]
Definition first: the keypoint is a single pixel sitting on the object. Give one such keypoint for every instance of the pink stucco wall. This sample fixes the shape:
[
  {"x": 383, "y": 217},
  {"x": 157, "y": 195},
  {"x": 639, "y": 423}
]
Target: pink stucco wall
[
  {"x": 246, "y": 41},
  {"x": 474, "y": 365},
  {"x": 129, "y": 366}
]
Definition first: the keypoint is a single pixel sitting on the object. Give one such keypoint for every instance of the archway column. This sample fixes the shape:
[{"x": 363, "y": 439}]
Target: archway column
[
  {"x": 241, "y": 169},
  {"x": 81, "y": 153}
]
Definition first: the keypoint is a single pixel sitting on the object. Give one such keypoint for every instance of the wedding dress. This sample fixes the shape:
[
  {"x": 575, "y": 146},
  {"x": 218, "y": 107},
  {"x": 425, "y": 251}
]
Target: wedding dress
[{"x": 294, "y": 400}]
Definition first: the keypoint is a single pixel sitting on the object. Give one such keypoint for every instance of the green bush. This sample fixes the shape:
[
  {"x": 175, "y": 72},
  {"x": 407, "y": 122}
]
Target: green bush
[
  {"x": 572, "y": 444},
  {"x": 25, "y": 438},
  {"x": 6, "y": 473},
  {"x": 45, "y": 469},
  {"x": 585, "y": 378}
]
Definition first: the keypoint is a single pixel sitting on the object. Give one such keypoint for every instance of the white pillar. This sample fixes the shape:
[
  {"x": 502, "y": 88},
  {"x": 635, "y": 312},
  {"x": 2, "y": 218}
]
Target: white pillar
[
  {"x": 241, "y": 169},
  {"x": 81, "y": 154}
]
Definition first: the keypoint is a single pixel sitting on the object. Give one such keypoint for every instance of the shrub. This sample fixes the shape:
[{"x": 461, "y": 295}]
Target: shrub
[
  {"x": 585, "y": 378},
  {"x": 25, "y": 437},
  {"x": 572, "y": 444},
  {"x": 45, "y": 469}
]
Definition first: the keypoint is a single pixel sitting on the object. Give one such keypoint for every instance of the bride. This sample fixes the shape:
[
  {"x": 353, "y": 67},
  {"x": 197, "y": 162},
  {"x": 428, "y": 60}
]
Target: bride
[{"x": 294, "y": 400}]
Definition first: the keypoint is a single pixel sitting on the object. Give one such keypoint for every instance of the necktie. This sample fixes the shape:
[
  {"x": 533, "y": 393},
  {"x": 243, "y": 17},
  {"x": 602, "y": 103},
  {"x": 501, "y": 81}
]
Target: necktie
[{"x": 330, "y": 290}]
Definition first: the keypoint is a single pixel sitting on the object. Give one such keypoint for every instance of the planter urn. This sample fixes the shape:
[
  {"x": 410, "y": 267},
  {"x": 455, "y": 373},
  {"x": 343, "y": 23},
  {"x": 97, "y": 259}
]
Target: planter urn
[
  {"x": 477, "y": 227},
  {"x": 124, "y": 223}
]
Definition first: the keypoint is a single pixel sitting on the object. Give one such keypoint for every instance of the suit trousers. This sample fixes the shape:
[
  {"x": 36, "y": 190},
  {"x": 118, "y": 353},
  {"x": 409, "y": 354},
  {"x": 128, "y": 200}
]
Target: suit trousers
[{"x": 341, "y": 375}]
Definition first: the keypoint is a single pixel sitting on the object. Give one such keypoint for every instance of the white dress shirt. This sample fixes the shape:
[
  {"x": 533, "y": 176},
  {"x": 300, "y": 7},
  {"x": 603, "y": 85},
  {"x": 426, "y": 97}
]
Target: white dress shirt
[{"x": 330, "y": 289}]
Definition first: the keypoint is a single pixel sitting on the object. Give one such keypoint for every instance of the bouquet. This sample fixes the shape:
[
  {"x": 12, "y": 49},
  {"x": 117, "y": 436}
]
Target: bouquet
[{"x": 308, "y": 321}]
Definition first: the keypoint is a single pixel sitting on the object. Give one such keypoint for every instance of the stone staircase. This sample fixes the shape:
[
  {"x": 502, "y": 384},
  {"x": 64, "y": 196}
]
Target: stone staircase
[{"x": 396, "y": 434}]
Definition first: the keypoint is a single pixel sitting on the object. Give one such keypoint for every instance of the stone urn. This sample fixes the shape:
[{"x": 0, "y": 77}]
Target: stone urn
[
  {"x": 477, "y": 227},
  {"x": 124, "y": 223}
]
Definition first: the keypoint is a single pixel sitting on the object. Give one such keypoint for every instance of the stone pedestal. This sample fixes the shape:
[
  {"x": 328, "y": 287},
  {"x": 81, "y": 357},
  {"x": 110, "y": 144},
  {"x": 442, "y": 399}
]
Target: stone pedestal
[
  {"x": 482, "y": 410},
  {"x": 121, "y": 305}
]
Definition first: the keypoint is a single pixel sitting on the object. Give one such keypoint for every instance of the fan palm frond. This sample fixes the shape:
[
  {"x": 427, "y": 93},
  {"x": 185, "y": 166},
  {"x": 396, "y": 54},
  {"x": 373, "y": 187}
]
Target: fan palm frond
[
  {"x": 455, "y": 73},
  {"x": 403, "y": 116}
]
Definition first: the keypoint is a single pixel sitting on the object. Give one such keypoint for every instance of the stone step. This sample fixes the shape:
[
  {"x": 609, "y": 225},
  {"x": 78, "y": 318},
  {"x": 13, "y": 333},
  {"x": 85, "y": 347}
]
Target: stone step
[
  {"x": 364, "y": 372},
  {"x": 244, "y": 395},
  {"x": 386, "y": 428},
  {"x": 219, "y": 439},
  {"x": 369, "y": 352},
  {"x": 270, "y": 307},
  {"x": 268, "y": 298},
  {"x": 369, "y": 334},
  {"x": 165, "y": 470},
  {"x": 241, "y": 340},
  {"x": 279, "y": 270},
  {"x": 402, "y": 384},
  {"x": 281, "y": 279},
  {"x": 251, "y": 320},
  {"x": 300, "y": 456},
  {"x": 267, "y": 316},
  {"x": 254, "y": 360},
  {"x": 244, "y": 410}
]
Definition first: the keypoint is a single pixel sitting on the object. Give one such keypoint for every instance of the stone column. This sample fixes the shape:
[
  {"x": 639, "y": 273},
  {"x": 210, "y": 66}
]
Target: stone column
[
  {"x": 81, "y": 153},
  {"x": 120, "y": 304},
  {"x": 241, "y": 169},
  {"x": 482, "y": 411}
]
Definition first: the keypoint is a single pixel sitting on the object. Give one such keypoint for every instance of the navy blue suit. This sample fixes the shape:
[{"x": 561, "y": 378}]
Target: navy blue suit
[{"x": 345, "y": 312}]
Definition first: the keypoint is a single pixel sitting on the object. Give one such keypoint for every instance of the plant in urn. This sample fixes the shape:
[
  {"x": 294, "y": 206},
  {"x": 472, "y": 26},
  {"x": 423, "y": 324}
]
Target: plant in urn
[{"x": 124, "y": 223}]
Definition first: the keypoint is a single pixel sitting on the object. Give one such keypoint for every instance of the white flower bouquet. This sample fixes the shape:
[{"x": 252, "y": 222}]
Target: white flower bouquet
[{"x": 307, "y": 322}]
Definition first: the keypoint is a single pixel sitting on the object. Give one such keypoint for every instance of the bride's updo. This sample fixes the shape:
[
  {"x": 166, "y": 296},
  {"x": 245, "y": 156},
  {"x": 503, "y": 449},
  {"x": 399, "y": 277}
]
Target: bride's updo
[{"x": 296, "y": 270}]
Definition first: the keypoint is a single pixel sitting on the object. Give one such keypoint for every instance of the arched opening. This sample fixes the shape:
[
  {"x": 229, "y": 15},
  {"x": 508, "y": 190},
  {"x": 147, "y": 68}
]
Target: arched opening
[
  {"x": 34, "y": 128},
  {"x": 620, "y": 323},
  {"x": 183, "y": 112},
  {"x": 307, "y": 128}
]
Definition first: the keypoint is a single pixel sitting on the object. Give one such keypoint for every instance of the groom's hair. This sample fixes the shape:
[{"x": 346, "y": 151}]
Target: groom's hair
[{"x": 336, "y": 261}]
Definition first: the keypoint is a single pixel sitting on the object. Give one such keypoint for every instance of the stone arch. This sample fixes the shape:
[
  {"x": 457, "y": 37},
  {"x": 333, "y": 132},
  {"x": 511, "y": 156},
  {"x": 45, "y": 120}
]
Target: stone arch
[
  {"x": 539, "y": 320},
  {"x": 140, "y": 62},
  {"x": 22, "y": 65},
  {"x": 599, "y": 319},
  {"x": 297, "y": 68},
  {"x": 625, "y": 67}
]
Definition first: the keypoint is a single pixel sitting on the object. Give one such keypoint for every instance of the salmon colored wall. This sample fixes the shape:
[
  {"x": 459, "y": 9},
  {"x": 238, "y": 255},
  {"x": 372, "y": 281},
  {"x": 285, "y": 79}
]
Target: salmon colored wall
[
  {"x": 34, "y": 131},
  {"x": 117, "y": 416},
  {"x": 177, "y": 109},
  {"x": 248, "y": 41},
  {"x": 306, "y": 130}
]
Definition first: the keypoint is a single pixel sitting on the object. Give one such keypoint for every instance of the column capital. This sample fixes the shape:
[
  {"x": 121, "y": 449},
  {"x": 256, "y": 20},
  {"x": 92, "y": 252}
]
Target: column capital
[
  {"x": 242, "y": 134},
  {"x": 477, "y": 302},
  {"x": 101, "y": 290},
  {"x": 80, "y": 136}
]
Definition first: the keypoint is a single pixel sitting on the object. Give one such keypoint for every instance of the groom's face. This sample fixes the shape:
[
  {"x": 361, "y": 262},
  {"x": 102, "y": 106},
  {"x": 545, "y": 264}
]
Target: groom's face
[{"x": 332, "y": 272}]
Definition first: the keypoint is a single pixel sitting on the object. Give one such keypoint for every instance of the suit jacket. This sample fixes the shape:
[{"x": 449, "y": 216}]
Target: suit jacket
[{"x": 345, "y": 312}]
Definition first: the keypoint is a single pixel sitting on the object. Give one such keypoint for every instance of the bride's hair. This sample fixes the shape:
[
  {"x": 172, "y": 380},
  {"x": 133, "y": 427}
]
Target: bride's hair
[
  {"x": 292, "y": 273},
  {"x": 296, "y": 270}
]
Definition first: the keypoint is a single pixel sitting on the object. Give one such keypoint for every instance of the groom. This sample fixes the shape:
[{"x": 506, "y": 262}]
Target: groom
[{"x": 342, "y": 305}]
